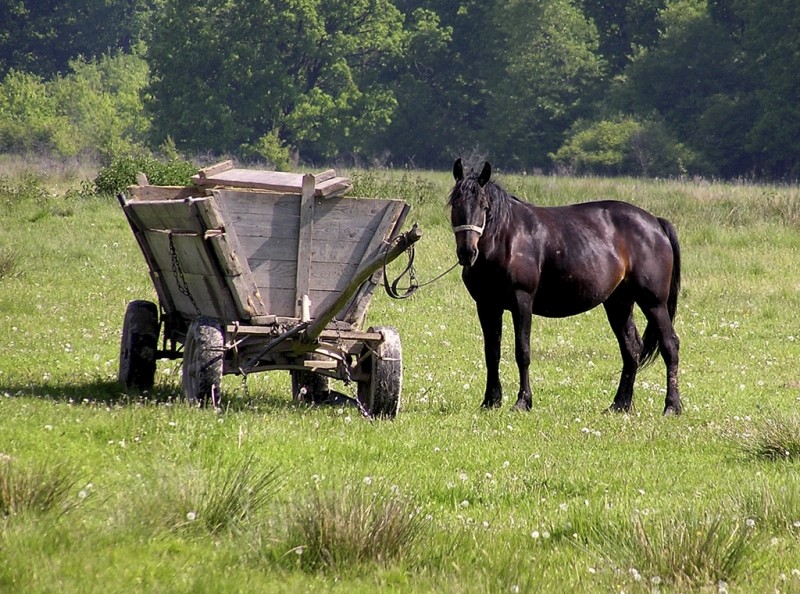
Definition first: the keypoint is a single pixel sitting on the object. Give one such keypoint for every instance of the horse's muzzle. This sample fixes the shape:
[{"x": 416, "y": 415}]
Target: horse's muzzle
[{"x": 467, "y": 254}]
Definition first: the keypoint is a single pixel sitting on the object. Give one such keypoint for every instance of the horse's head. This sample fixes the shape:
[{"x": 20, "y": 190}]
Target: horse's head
[{"x": 468, "y": 207}]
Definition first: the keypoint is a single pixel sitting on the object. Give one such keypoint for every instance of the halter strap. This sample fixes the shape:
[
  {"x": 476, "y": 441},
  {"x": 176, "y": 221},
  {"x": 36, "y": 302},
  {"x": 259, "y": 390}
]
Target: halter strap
[{"x": 476, "y": 228}]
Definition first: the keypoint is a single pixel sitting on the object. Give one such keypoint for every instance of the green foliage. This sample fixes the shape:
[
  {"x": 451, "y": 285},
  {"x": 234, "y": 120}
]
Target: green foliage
[
  {"x": 96, "y": 110},
  {"x": 774, "y": 439},
  {"x": 626, "y": 146},
  {"x": 303, "y": 74},
  {"x": 122, "y": 171},
  {"x": 43, "y": 37},
  {"x": 9, "y": 263},
  {"x": 687, "y": 550},
  {"x": 524, "y": 120},
  {"x": 271, "y": 149},
  {"x": 404, "y": 82}
]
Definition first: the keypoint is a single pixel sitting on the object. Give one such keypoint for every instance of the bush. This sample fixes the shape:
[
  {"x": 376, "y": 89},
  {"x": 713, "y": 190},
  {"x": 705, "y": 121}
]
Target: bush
[
  {"x": 121, "y": 173},
  {"x": 626, "y": 146}
]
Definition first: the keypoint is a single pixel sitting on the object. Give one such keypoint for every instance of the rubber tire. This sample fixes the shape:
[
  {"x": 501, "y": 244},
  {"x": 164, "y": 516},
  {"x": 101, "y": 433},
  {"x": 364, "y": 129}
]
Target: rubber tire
[
  {"x": 203, "y": 354},
  {"x": 139, "y": 345},
  {"x": 381, "y": 394}
]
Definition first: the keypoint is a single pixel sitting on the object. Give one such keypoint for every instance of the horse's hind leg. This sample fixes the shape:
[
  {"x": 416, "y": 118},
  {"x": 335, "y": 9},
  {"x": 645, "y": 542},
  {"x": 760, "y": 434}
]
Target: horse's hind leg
[
  {"x": 620, "y": 317},
  {"x": 669, "y": 346}
]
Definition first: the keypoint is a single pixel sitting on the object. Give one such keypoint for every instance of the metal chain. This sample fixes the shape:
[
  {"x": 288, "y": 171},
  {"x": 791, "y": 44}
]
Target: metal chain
[
  {"x": 236, "y": 364},
  {"x": 177, "y": 271}
]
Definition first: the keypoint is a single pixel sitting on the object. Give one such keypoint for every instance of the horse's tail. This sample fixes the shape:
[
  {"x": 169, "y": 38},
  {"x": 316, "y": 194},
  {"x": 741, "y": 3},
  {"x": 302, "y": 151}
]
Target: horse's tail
[{"x": 650, "y": 337}]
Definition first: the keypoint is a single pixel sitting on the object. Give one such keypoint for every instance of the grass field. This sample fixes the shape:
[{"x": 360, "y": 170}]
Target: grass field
[{"x": 101, "y": 491}]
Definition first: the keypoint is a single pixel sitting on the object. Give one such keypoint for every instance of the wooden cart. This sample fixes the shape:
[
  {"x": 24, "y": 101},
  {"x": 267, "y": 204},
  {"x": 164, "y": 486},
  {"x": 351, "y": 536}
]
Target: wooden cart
[{"x": 259, "y": 271}]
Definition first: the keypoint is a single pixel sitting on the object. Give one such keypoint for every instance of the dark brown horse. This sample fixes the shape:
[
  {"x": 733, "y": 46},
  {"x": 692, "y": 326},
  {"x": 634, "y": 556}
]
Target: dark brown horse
[{"x": 561, "y": 261}]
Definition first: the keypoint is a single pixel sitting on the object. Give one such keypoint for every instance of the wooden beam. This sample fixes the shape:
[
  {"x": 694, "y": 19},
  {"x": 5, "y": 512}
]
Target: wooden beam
[{"x": 304, "y": 247}]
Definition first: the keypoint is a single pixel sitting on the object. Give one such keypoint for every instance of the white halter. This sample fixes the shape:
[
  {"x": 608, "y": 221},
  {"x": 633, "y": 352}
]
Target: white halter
[{"x": 476, "y": 228}]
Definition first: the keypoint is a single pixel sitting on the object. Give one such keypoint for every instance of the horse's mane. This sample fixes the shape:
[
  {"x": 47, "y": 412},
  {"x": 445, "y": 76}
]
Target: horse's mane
[{"x": 500, "y": 201}]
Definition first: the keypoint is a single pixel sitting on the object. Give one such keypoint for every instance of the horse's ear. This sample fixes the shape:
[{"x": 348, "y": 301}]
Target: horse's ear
[
  {"x": 458, "y": 170},
  {"x": 486, "y": 173}
]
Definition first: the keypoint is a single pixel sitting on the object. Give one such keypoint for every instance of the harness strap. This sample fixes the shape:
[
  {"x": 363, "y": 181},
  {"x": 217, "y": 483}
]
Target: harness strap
[{"x": 478, "y": 229}]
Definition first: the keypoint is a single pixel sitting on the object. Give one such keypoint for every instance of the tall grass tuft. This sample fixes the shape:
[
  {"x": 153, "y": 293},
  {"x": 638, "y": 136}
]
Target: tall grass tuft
[
  {"x": 9, "y": 263},
  {"x": 689, "y": 551},
  {"x": 235, "y": 493},
  {"x": 773, "y": 439},
  {"x": 37, "y": 489},
  {"x": 773, "y": 507},
  {"x": 339, "y": 529}
]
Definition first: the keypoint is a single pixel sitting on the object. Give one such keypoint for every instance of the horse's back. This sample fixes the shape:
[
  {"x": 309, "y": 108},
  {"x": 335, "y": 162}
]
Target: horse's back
[{"x": 589, "y": 249}]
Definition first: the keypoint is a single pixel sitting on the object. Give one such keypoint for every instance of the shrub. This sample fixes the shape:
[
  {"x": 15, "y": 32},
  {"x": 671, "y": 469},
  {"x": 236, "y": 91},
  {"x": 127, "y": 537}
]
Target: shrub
[
  {"x": 121, "y": 173},
  {"x": 626, "y": 146}
]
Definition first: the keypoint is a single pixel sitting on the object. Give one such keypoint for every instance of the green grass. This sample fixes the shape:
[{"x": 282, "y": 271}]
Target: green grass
[{"x": 145, "y": 493}]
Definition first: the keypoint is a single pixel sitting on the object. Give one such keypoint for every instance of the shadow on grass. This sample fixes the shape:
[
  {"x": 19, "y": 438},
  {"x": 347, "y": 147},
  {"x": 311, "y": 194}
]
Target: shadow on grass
[{"x": 111, "y": 393}]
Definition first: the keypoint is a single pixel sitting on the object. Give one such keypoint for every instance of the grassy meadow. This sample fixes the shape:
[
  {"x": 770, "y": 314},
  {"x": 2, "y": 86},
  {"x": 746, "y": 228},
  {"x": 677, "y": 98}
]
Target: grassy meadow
[{"x": 102, "y": 491}]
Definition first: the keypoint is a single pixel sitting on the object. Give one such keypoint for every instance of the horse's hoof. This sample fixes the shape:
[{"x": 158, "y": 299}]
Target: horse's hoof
[
  {"x": 672, "y": 411},
  {"x": 618, "y": 409},
  {"x": 490, "y": 405},
  {"x": 521, "y": 405}
]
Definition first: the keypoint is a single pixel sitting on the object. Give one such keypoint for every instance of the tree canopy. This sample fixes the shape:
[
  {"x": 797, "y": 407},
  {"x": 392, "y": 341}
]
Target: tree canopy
[{"x": 643, "y": 87}]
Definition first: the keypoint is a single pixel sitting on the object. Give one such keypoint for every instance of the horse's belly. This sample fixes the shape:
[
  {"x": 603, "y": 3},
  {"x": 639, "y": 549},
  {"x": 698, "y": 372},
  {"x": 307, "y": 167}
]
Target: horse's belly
[{"x": 563, "y": 303}]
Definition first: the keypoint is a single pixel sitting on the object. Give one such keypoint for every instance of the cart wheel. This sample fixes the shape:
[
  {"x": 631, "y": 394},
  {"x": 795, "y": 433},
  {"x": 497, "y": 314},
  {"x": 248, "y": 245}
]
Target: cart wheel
[
  {"x": 203, "y": 353},
  {"x": 317, "y": 387},
  {"x": 137, "y": 354},
  {"x": 380, "y": 395}
]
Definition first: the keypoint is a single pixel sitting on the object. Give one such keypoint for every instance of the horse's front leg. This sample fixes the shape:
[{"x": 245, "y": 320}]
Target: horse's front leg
[
  {"x": 521, "y": 315},
  {"x": 491, "y": 320}
]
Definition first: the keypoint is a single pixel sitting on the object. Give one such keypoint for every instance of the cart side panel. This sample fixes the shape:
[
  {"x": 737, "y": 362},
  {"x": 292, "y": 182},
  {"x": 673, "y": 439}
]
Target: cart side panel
[
  {"x": 344, "y": 233},
  {"x": 364, "y": 227},
  {"x": 267, "y": 226},
  {"x": 194, "y": 274},
  {"x": 196, "y": 266}
]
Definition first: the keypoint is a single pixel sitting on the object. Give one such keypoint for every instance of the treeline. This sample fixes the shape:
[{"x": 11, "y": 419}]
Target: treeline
[{"x": 637, "y": 87}]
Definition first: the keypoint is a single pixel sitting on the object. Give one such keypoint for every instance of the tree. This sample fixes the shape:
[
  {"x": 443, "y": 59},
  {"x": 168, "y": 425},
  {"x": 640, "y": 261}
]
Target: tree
[
  {"x": 301, "y": 75},
  {"x": 622, "y": 26},
  {"x": 545, "y": 69},
  {"x": 41, "y": 37},
  {"x": 772, "y": 48}
]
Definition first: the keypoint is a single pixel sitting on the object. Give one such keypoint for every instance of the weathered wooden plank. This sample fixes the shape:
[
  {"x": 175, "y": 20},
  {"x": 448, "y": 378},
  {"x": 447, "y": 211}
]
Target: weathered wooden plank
[
  {"x": 239, "y": 279},
  {"x": 142, "y": 193},
  {"x": 304, "y": 241},
  {"x": 323, "y": 176},
  {"x": 172, "y": 214},
  {"x": 189, "y": 251},
  {"x": 215, "y": 169},
  {"x": 161, "y": 290},
  {"x": 356, "y": 309},
  {"x": 206, "y": 293},
  {"x": 366, "y": 270},
  {"x": 269, "y": 273},
  {"x": 277, "y": 249},
  {"x": 326, "y": 182},
  {"x": 277, "y": 181},
  {"x": 256, "y": 202},
  {"x": 329, "y": 276},
  {"x": 334, "y": 187},
  {"x": 279, "y": 302}
]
